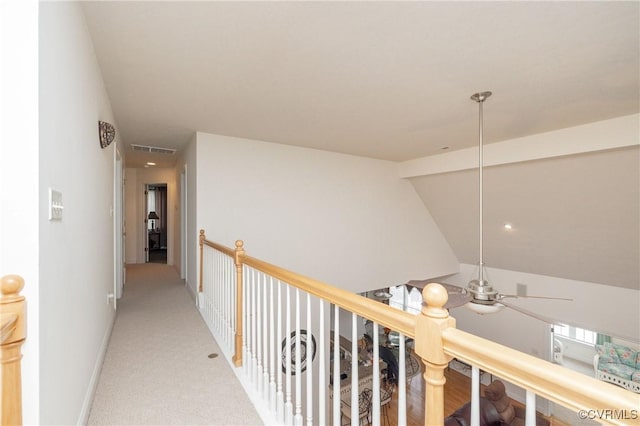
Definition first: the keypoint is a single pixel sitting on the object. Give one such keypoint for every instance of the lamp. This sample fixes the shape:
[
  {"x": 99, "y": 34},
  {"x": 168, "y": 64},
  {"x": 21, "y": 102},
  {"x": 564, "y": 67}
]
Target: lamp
[
  {"x": 484, "y": 296},
  {"x": 153, "y": 216}
]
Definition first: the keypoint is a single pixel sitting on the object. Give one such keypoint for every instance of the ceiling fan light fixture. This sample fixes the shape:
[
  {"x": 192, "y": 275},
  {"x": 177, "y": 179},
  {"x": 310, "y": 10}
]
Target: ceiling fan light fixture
[
  {"x": 482, "y": 309},
  {"x": 381, "y": 294}
]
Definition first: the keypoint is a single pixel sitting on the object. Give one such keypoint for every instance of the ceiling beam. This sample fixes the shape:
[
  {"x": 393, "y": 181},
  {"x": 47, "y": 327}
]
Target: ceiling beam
[{"x": 615, "y": 133}]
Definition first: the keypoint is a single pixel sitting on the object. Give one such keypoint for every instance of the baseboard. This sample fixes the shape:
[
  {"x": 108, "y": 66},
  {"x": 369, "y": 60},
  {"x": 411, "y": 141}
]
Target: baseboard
[
  {"x": 83, "y": 418},
  {"x": 192, "y": 292}
]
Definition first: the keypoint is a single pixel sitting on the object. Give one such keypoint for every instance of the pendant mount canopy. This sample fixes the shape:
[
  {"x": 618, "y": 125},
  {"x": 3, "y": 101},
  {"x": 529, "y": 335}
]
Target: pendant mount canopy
[{"x": 480, "y": 96}]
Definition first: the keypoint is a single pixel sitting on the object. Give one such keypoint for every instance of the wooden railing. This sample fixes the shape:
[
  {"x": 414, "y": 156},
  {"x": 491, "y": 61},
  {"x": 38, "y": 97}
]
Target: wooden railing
[
  {"x": 12, "y": 336},
  {"x": 249, "y": 332}
]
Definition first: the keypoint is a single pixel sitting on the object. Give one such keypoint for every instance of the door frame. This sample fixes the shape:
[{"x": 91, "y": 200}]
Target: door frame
[
  {"x": 183, "y": 224},
  {"x": 145, "y": 231},
  {"x": 118, "y": 227}
]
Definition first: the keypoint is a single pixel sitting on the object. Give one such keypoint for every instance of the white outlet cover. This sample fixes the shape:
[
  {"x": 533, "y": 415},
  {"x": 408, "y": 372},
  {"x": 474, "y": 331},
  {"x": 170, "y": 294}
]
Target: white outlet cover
[{"x": 55, "y": 205}]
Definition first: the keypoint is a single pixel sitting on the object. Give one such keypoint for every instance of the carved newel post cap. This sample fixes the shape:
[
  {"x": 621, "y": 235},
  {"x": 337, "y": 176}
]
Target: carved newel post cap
[
  {"x": 435, "y": 297},
  {"x": 239, "y": 244},
  {"x": 11, "y": 286}
]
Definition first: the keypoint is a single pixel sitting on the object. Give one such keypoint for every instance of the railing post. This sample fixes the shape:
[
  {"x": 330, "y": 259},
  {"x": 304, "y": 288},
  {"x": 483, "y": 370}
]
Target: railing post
[
  {"x": 12, "y": 336},
  {"x": 201, "y": 240},
  {"x": 429, "y": 326},
  {"x": 237, "y": 358}
]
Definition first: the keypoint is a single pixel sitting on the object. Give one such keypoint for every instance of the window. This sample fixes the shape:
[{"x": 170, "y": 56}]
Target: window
[
  {"x": 406, "y": 301},
  {"x": 575, "y": 333}
]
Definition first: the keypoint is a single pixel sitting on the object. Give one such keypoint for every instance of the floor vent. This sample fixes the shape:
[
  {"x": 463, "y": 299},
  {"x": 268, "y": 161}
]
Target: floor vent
[{"x": 152, "y": 149}]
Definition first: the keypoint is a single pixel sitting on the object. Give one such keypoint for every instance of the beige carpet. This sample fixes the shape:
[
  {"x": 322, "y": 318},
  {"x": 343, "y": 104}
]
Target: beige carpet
[{"x": 157, "y": 370}]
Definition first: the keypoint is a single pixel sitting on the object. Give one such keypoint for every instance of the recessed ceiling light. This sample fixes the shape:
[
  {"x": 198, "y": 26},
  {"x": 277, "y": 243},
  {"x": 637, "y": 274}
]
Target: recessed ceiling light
[
  {"x": 508, "y": 226},
  {"x": 149, "y": 163}
]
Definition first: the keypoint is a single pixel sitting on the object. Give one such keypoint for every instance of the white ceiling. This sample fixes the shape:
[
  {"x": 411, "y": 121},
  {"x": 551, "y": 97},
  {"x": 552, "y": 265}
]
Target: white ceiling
[
  {"x": 388, "y": 80},
  {"x": 392, "y": 80}
]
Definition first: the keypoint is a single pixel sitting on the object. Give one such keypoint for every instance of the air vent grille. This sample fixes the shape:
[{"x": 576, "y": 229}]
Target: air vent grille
[{"x": 152, "y": 149}]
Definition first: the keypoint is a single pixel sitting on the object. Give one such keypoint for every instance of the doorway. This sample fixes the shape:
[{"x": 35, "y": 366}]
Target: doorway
[{"x": 156, "y": 222}]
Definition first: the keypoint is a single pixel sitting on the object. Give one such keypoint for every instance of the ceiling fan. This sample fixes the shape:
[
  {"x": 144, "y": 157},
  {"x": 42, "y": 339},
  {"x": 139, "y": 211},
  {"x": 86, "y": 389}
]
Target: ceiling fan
[{"x": 479, "y": 296}]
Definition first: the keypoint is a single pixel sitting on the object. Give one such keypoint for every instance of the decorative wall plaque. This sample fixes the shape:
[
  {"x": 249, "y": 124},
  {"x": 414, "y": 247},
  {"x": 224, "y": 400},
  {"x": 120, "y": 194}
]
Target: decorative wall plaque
[
  {"x": 106, "y": 132},
  {"x": 306, "y": 348}
]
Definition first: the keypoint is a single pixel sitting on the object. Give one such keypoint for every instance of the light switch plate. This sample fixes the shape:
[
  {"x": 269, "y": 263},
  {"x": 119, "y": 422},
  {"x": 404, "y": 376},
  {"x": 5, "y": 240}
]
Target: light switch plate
[{"x": 55, "y": 205}]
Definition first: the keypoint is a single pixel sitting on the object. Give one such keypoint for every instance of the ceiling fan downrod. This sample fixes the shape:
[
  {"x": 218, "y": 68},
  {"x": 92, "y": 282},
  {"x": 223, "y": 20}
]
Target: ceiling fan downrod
[{"x": 481, "y": 290}]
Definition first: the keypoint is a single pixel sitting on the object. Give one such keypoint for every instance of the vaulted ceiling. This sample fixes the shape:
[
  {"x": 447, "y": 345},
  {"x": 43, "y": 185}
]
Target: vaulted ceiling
[
  {"x": 392, "y": 80},
  {"x": 574, "y": 217}
]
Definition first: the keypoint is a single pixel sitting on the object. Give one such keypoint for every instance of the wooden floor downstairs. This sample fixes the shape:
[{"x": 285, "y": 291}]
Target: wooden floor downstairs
[{"x": 457, "y": 392}]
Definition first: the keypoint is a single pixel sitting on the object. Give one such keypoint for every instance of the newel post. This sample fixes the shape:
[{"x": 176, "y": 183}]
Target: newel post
[
  {"x": 12, "y": 336},
  {"x": 201, "y": 241},
  {"x": 237, "y": 358},
  {"x": 429, "y": 326}
]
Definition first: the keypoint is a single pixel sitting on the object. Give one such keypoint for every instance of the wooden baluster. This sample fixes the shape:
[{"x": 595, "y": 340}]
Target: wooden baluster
[
  {"x": 12, "y": 336},
  {"x": 322, "y": 389},
  {"x": 475, "y": 396},
  {"x": 231, "y": 305},
  {"x": 297, "y": 419},
  {"x": 201, "y": 241},
  {"x": 265, "y": 341},
  {"x": 237, "y": 358},
  {"x": 245, "y": 324},
  {"x": 375, "y": 404},
  {"x": 260, "y": 325},
  {"x": 336, "y": 366},
  {"x": 272, "y": 351},
  {"x": 279, "y": 391},
  {"x": 429, "y": 326},
  {"x": 402, "y": 381},
  {"x": 355, "y": 393},
  {"x": 530, "y": 408},
  {"x": 254, "y": 329},
  {"x": 288, "y": 404},
  {"x": 309, "y": 358}
]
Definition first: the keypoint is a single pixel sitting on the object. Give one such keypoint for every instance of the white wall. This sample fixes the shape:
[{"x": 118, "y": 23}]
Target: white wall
[
  {"x": 349, "y": 221},
  {"x": 131, "y": 214},
  {"x": 135, "y": 210},
  {"x": 76, "y": 253},
  {"x": 187, "y": 161},
  {"x": 19, "y": 201}
]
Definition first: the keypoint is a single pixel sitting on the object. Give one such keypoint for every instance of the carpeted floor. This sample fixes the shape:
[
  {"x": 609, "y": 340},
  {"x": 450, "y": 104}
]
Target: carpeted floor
[{"x": 157, "y": 370}]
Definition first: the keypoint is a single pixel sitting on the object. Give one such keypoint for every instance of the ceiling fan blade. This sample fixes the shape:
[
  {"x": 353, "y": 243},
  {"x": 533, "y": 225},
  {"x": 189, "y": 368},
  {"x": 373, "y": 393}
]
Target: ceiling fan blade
[
  {"x": 515, "y": 296},
  {"x": 421, "y": 284},
  {"x": 457, "y": 299},
  {"x": 527, "y": 312}
]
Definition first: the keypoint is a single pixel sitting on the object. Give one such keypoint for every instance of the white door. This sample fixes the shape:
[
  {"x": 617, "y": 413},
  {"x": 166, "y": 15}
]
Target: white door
[{"x": 119, "y": 231}]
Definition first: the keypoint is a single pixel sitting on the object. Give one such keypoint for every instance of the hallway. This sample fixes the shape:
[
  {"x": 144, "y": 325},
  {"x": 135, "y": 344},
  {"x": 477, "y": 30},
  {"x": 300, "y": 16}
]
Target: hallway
[{"x": 156, "y": 369}]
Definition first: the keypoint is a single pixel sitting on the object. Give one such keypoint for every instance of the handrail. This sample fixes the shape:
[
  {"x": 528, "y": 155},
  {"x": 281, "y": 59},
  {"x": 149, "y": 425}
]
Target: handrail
[
  {"x": 12, "y": 321},
  {"x": 384, "y": 315},
  {"x": 226, "y": 250},
  {"x": 437, "y": 342},
  {"x": 569, "y": 388}
]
